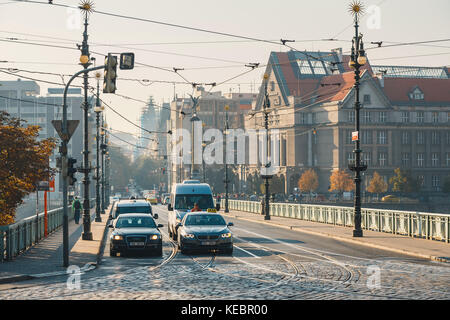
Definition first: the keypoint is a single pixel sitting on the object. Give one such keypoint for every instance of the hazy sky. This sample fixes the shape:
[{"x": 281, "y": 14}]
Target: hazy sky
[{"x": 219, "y": 57}]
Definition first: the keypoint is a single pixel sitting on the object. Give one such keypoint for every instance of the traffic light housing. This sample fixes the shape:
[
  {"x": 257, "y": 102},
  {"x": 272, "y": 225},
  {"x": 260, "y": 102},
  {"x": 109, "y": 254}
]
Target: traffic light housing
[
  {"x": 110, "y": 76},
  {"x": 71, "y": 170}
]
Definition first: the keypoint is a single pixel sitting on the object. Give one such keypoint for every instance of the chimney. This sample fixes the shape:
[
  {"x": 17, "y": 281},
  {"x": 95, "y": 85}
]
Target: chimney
[
  {"x": 380, "y": 77},
  {"x": 338, "y": 51}
]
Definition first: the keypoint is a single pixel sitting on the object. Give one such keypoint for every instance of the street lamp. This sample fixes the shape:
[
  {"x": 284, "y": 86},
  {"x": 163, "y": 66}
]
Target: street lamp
[
  {"x": 357, "y": 60},
  {"x": 98, "y": 109},
  {"x": 86, "y": 8},
  {"x": 227, "y": 107},
  {"x": 266, "y": 176}
]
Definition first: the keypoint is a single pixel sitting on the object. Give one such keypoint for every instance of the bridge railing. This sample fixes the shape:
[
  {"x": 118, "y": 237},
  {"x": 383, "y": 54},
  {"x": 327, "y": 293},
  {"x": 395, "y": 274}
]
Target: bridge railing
[
  {"x": 432, "y": 226},
  {"x": 18, "y": 237}
]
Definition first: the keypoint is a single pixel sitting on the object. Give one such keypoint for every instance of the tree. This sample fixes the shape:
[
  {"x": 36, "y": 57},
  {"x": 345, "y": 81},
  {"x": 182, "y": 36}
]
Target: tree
[
  {"x": 404, "y": 182},
  {"x": 24, "y": 161},
  {"x": 308, "y": 181},
  {"x": 341, "y": 181},
  {"x": 121, "y": 169},
  {"x": 377, "y": 184}
]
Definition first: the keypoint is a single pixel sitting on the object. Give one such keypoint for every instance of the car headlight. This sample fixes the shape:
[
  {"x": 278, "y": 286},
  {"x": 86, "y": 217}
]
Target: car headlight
[
  {"x": 226, "y": 235},
  {"x": 190, "y": 236},
  {"x": 153, "y": 237},
  {"x": 117, "y": 237}
]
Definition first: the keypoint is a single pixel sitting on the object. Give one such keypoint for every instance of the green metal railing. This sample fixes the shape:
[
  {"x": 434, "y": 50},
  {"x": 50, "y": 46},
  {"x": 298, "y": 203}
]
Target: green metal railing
[{"x": 432, "y": 226}]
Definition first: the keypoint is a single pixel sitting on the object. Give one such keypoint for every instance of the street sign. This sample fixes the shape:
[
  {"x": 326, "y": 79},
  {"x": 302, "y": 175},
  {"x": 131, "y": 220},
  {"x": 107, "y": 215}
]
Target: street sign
[
  {"x": 43, "y": 186},
  {"x": 71, "y": 127}
]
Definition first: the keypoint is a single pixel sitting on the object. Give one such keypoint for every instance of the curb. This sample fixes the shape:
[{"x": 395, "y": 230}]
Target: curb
[{"x": 376, "y": 246}]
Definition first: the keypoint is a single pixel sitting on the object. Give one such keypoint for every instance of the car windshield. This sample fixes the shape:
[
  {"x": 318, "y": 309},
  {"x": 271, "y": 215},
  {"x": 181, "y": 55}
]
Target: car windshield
[
  {"x": 187, "y": 201},
  {"x": 135, "y": 222},
  {"x": 204, "y": 220},
  {"x": 134, "y": 209}
]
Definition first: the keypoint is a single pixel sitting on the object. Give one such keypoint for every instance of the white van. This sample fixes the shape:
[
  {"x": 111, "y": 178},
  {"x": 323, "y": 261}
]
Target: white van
[{"x": 183, "y": 198}]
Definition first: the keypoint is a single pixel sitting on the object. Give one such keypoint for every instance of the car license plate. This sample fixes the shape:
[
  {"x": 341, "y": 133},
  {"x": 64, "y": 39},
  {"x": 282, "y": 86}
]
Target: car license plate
[
  {"x": 208, "y": 243},
  {"x": 137, "y": 244}
]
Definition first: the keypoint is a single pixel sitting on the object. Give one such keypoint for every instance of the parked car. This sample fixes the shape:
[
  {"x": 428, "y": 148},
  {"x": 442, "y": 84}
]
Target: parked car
[
  {"x": 135, "y": 233},
  {"x": 253, "y": 197},
  {"x": 204, "y": 231}
]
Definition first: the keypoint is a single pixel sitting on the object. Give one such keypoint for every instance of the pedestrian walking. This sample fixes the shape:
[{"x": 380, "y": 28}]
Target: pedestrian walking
[{"x": 76, "y": 208}]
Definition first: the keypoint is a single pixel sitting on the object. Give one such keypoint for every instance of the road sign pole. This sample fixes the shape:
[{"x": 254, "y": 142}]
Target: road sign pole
[{"x": 65, "y": 137}]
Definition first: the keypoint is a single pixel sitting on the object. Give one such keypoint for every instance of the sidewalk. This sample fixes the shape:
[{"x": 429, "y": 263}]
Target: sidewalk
[
  {"x": 46, "y": 258},
  {"x": 421, "y": 248}
]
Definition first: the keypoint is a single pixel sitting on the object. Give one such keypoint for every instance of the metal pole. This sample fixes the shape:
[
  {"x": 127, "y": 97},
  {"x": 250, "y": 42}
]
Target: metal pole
[
  {"x": 103, "y": 167},
  {"x": 97, "y": 178},
  {"x": 266, "y": 127},
  {"x": 226, "y": 164},
  {"x": 87, "y": 234},
  {"x": 358, "y": 167}
]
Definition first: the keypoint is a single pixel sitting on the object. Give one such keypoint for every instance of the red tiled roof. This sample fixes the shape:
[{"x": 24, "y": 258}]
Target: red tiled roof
[
  {"x": 434, "y": 90},
  {"x": 330, "y": 91}
]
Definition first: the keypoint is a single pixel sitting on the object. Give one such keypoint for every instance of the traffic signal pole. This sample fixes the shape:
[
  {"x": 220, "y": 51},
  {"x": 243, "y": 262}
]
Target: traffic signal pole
[{"x": 65, "y": 137}]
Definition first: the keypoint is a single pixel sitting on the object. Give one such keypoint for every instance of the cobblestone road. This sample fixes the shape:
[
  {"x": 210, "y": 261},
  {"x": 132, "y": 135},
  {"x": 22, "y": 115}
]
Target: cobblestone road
[{"x": 267, "y": 263}]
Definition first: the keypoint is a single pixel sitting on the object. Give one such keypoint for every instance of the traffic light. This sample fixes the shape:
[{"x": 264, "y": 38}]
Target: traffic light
[
  {"x": 163, "y": 170},
  {"x": 109, "y": 80},
  {"x": 71, "y": 170}
]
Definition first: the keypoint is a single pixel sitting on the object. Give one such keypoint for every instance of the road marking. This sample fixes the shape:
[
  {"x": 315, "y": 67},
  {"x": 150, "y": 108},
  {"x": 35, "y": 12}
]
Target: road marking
[{"x": 248, "y": 252}]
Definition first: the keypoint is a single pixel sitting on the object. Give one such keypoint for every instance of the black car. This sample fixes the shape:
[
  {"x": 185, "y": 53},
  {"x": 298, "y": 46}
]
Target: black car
[
  {"x": 135, "y": 232},
  {"x": 132, "y": 206},
  {"x": 200, "y": 230}
]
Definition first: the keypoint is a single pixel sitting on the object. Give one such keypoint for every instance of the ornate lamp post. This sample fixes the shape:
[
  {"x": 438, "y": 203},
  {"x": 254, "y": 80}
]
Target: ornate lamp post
[
  {"x": 227, "y": 107},
  {"x": 86, "y": 7},
  {"x": 266, "y": 176},
  {"x": 98, "y": 109},
  {"x": 357, "y": 60}
]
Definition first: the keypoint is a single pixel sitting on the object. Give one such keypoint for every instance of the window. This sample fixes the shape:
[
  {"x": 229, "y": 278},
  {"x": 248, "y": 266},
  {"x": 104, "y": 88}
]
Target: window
[
  {"x": 351, "y": 116},
  {"x": 420, "y": 117},
  {"x": 420, "y": 160},
  {"x": 382, "y": 159},
  {"x": 405, "y": 159},
  {"x": 435, "y": 183},
  {"x": 314, "y": 117},
  {"x": 348, "y": 137},
  {"x": 416, "y": 94},
  {"x": 447, "y": 160},
  {"x": 435, "y": 137},
  {"x": 405, "y": 137},
  {"x": 435, "y": 159},
  {"x": 366, "y": 137},
  {"x": 350, "y": 157},
  {"x": 303, "y": 118},
  {"x": 366, "y": 99},
  {"x": 448, "y": 137},
  {"x": 421, "y": 180},
  {"x": 382, "y": 137},
  {"x": 367, "y": 158},
  {"x": 367, "y": 117},
  {"x": 448, "y": 116},
  {"x": 382, "y": 116},
  {"x": 405, "y": 117},
  {"x": 420, "y": 137},
  {"x": 435, "y": 117}
]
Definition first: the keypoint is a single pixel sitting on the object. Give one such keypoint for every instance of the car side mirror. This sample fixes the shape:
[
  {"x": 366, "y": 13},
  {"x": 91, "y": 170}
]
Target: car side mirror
[
  {"x": 160, "y": 225},
  {"x": 218, "y": 206},
  {"x": 110, "y": 225},
  {"x": 155, "y": 216},
  {"x": 169, "y": 207},
  {"x": 230, "y": 224},
  {"x": 178, "y": 225}
]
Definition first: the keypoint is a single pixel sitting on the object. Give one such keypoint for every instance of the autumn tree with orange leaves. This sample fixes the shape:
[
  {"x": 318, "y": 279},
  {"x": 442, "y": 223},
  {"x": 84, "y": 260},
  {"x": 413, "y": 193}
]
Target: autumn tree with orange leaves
[
  {"x": 341, "y": 181},
  {"x": 23, "y": 163},
  {"x": 309, "y": 181}
]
